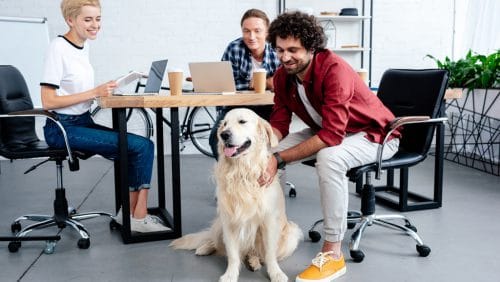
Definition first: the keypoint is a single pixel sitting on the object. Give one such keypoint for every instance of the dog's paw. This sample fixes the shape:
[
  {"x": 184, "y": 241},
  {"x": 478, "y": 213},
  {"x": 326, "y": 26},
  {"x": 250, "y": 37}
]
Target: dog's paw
[
  {"x": 278, "y": 276},
  {"x": 253, "y": 263},
  {"x": 205, "y": 249},
  {"x": 229, "y": 277}
]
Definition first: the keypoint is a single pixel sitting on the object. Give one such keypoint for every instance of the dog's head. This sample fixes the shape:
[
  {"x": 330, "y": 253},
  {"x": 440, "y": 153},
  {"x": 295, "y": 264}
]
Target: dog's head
[{"x": 243, "y": 132}]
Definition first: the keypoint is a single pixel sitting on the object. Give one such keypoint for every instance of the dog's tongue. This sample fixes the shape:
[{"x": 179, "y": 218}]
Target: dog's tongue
[{"x": 229, "y": 151}]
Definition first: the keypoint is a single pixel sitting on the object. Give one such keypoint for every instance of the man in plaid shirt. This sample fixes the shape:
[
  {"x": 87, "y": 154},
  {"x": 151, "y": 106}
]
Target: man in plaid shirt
[{"x": 249, "y": 52}]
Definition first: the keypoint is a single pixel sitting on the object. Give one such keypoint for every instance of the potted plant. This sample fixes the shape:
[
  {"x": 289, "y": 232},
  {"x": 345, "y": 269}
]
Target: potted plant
[{"x": 473, "y": 110}]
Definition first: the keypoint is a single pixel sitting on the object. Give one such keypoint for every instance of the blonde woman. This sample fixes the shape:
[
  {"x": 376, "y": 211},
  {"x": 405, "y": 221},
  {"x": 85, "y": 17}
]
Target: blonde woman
[{"x": 68, "y": 90}]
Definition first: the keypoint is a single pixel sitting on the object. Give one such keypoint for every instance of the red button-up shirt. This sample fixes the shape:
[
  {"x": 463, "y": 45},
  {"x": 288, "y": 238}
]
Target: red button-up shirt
[{"x": 338, "y": 94}]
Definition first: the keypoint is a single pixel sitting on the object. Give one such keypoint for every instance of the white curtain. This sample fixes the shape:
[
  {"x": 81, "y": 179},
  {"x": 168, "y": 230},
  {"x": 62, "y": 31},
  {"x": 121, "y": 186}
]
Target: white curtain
[{"x": 477, "y": 27}]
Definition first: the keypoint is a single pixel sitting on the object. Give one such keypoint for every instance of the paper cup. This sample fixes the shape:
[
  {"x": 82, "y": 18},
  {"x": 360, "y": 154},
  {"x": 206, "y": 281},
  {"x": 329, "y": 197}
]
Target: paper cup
[
  {"x": 259, "y": 80},
  {"x": 175, "y": 81},
  {"x": 363, "y": 74}
]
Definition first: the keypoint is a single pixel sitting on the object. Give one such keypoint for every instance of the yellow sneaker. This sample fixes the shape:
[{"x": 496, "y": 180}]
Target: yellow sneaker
[{"x": 323, "y": 269}]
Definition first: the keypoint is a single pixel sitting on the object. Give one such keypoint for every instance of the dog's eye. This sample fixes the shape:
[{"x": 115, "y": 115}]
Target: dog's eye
[{"x": 242, "y": 121}]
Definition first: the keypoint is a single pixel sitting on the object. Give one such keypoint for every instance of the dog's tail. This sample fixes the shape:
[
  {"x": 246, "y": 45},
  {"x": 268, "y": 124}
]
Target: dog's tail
[
  {"x": 192, "y": 241},
  {"x": 292, "y": 235}
]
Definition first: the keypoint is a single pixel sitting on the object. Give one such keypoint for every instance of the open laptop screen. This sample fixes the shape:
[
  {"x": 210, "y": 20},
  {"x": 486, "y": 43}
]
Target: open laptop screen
[
  {"x": 155, "y": 76},
  {"x": 212, "y": 77}
]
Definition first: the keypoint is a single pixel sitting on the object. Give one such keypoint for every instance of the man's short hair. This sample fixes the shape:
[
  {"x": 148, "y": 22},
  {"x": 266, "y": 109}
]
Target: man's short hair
[
  {"x": 255, "y": 13},
  {"x": 298, "y": 25},
  {"x": 72, "y": 8}
]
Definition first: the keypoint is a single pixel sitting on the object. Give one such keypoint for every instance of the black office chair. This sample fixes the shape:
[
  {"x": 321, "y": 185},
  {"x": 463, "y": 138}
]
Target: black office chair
[
  {"x": 19, "y": 141},
  {"x": 415, "y": 98}
]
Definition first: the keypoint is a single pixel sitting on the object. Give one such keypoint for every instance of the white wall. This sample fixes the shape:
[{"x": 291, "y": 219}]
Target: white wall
[
  {"x": 405, "y": 31},
  {"x": 136, "y": 32}
]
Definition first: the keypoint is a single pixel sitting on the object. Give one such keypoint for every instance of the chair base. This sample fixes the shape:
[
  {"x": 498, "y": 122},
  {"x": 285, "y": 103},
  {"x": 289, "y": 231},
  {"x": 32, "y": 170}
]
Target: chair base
[
  {"x": 44, "y": 221},
  {"x": 355, "y": 218},
  {"x": 63, "y": 216}
]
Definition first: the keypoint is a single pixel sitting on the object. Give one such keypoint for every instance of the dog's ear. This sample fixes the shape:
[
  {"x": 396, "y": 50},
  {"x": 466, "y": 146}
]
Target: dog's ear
[{"x": 267, "y": 130}]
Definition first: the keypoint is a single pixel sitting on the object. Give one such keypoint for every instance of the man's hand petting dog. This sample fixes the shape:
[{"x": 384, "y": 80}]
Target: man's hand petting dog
[{"x": 268, "y": 176}]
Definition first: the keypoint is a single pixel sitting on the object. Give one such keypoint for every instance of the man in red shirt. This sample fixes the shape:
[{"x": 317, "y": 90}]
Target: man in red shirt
[{"x": 345, "y": 119}]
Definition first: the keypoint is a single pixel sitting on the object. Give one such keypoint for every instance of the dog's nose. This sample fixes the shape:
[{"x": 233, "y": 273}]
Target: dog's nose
[{"x": 225, "y": 135}]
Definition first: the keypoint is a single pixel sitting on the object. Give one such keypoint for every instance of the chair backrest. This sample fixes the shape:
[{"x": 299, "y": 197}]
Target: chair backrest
[
  {"x": 409, "y": 92},
  {"x": 15, "y": 96}
]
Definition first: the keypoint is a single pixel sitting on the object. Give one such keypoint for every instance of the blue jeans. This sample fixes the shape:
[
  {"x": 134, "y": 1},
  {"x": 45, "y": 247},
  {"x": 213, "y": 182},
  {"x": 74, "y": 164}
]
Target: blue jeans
[{"x": 86, "y": 136}]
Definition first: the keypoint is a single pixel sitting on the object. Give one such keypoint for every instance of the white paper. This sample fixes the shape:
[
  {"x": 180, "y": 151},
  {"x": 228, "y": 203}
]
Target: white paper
[{"x": 129, "y": 78}]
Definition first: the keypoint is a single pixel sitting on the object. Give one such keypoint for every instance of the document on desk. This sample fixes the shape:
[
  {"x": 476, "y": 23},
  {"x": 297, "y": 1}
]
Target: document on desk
[{"x": 129, "y": 78}]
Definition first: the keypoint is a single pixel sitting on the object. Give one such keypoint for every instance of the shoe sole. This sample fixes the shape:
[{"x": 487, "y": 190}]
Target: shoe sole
[{"x": 336, "y": 275}]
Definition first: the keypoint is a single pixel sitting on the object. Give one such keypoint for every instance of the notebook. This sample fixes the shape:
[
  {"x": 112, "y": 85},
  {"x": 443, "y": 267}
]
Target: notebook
[
  {"x": 154, "y": 81},
  {"x": 212, "y": 77}
]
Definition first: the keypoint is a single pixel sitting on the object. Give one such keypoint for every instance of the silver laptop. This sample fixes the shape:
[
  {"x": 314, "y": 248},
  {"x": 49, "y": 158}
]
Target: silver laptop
[
  {"x": 212, "y": 77},
  {"x": 154, "y": 79}
]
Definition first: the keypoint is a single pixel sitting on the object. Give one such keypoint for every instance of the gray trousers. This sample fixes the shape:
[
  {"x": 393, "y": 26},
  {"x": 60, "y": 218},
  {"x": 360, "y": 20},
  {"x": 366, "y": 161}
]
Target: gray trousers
[{"x": 332, "y": 164}]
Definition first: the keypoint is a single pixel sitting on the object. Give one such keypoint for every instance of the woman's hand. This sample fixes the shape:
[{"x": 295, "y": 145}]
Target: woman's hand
[{"x": 105, "y": 89}]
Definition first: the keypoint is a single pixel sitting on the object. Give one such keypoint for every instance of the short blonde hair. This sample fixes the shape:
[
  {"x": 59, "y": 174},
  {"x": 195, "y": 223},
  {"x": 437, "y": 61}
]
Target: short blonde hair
[{"x": 72, "y": 8}]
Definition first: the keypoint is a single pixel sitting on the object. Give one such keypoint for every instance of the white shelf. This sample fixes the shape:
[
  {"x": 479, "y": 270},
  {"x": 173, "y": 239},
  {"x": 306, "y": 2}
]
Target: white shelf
[
  {"x": 348, "y": 49},
  {"x": 342, "y": 30},
  {"x": 342, "y": 18}
]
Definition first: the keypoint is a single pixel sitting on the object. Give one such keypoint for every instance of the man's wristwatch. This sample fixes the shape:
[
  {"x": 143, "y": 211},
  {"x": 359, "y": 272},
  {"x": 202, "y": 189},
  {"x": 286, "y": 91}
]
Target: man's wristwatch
[{"x": 281, "y": 162}]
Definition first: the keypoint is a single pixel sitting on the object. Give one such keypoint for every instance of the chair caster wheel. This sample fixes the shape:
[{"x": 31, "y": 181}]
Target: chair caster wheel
[
  {"x": 84, "y": 243},
  {"x": 14, "y": 246},
  {"x": 423, "y": 250},
  {"x": 314, "y": 235},
  {"x": 113, "y": 225},
  {"x": 357, "y": 255},
  {"x": 15, "y": 227},
  {"x": 71, "y": 211},
  {"x": 292, "y": 193},
  {"x": 49, "y": 247},
  {"x": 351, "y": 225}
]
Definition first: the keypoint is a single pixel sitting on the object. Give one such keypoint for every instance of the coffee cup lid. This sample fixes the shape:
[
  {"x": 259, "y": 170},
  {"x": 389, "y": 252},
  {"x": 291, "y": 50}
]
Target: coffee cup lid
[
  {"x": 260, "y": 70},
  {"x": 174, "y": 70}
]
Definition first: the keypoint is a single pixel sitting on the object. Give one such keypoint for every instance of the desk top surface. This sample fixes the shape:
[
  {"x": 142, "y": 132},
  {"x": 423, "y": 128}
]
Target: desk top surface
[
  {"x": 188, "y": 100},
  {"x": 194, "y": 100}
]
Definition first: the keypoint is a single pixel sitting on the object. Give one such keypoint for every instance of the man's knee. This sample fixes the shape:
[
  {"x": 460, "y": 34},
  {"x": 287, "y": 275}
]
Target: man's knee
[{"x": 330, "y": 158}]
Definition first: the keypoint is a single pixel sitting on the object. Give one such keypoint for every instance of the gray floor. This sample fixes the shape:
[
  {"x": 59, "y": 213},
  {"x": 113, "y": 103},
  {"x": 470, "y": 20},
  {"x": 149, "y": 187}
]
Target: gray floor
[{"x": 462, "y": 234}]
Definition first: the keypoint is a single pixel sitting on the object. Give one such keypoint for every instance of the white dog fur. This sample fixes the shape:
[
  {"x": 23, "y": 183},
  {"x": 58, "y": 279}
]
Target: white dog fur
[{"x": 251, "y": 224}]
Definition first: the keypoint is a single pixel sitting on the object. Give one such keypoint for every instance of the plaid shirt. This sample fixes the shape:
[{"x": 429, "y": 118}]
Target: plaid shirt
[{"x": 240, "y": 57}]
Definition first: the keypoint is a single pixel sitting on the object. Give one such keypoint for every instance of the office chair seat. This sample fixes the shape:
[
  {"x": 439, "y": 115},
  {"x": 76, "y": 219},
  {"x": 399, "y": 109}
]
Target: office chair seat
[{"x": 400, "y": 159}]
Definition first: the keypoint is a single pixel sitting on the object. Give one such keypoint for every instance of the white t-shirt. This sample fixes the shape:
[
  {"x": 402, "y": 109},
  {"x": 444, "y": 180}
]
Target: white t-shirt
[
  {"x": 309, "y": 108},
  {"x": 255, "y": 65},
  {"x": 68, "y": 69}
]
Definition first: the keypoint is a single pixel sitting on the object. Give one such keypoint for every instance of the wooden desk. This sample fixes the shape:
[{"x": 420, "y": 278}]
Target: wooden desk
[{"x": 157, "y": 103}]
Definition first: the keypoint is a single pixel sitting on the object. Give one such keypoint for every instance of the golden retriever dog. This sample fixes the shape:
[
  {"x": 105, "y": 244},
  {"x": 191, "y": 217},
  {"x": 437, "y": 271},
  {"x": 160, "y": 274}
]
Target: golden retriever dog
[{"x": 251, "y": 224}]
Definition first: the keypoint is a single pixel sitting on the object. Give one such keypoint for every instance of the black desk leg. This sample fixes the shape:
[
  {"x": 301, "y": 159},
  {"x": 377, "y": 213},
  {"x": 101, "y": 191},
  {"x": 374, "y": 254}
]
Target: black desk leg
[
  {"x": 438, "y": 160},
  {"x": 176, "y": 172},
  {"x": 121, "y": 182}
]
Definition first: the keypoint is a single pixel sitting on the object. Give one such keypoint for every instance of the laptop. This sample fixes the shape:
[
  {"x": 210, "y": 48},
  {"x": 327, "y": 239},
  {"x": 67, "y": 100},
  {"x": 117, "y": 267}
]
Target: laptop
[
  {"x": 154, "y": 79},
  {"x": 212, "y": 77}
]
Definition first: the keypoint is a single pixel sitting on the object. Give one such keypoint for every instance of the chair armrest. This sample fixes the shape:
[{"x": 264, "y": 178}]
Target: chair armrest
[
  {"x": 395, "y": 124},
  {"x": 49, "y": 115},
  {"x": 35, "y": 112}
]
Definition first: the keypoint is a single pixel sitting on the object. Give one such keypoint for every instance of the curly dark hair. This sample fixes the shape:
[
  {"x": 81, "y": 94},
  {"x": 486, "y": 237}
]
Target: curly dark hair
[{"x": 298, "y": 25}]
